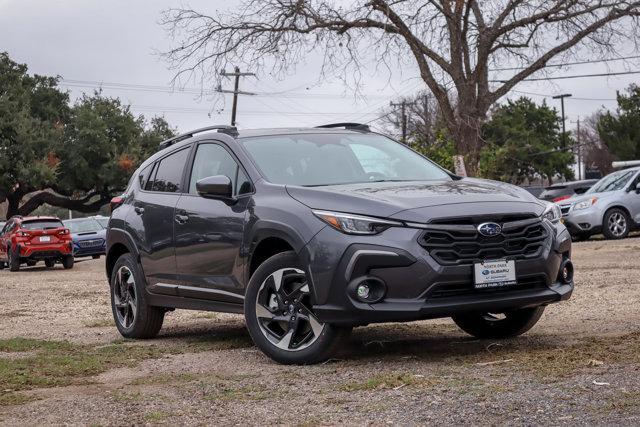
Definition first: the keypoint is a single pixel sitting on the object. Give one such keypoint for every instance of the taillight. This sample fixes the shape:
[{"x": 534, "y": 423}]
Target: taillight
[
  {"x": 23, "y": 234},
  {"x": 115, "y": 202},
  {"x": 561, "y": 198},
  {"x": 63, "y": 232}
]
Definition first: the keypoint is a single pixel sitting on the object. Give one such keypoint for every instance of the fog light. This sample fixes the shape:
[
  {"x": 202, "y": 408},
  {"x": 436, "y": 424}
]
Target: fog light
[
  {"x": 566, "y": 272},
  {"x": 363, "y": 291}
]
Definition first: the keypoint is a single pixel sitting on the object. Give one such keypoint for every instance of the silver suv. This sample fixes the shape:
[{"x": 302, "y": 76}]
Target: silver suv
[{"x": 611, "y": 206}]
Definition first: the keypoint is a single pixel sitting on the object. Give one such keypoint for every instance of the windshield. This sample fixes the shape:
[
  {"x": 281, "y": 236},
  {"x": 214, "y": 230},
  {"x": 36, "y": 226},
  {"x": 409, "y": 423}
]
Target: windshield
[
  {"x": 85, "y": 225},
  {"x": 612, "y": 182},
  {"x": 41, "y": 224},
  {"x": 326, "y": 159}
]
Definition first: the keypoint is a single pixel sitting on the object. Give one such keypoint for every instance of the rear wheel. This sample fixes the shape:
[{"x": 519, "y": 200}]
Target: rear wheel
[
  {"x": 502, "y": 325},
  {"x": 67, "y": 262},
  {"x": 14, "y": 260},
  {"x": 615, "y": 224},
  {"x": 133, "y": 316},
  {"x": 31, "y": 263},
  {"x": 279, "y": 314},
  {"x": 49, "y": 263}
]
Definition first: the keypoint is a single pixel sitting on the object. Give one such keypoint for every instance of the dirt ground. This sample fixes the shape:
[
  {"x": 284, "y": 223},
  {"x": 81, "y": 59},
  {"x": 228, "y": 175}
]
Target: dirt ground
[{"x": 63, "y": 362}]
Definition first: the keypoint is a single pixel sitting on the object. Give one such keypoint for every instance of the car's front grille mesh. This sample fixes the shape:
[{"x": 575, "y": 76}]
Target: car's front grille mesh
[
  {"x": 462, "y": 244},
  {"x": 90, "y": 243}
]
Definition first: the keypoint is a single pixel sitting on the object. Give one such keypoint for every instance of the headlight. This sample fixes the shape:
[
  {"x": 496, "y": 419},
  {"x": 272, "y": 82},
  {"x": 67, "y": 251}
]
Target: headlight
[
  {"x": 552, "y": 213},
  {"x": 355, "y": 224},
  {"x": 585, "y": 204}
]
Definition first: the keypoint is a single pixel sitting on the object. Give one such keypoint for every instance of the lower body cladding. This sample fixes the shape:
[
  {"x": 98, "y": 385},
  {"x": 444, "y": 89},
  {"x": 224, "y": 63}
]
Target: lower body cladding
[{"x": 390, "y": 277}]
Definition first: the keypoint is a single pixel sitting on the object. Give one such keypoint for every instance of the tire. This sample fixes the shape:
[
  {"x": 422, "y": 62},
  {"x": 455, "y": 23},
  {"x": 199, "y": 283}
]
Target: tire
[
  {"x": 14, "y": 261},
  {"x": 133, "y": 316},
  {"x": 31, "y": 263},
  {"x": 486, "y": 325},
  {"x": 49, "y": 263},
  {"x": 616, "y": 224},
  {"x": 67, "y": 262},
  {"x": 2, "y": 265},
  {"x": 280, "y": 318}
]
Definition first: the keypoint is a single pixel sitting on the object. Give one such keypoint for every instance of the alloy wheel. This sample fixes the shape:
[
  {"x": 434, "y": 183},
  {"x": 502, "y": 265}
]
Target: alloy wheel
[
  {"x": 124, "y": 297},
  {"x": 283, "y": 309},
  {"x": 617, "y": 224}
]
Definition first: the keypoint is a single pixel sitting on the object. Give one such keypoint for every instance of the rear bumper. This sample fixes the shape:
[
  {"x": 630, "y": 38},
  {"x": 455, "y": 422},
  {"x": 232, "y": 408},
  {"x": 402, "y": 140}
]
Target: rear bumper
[
  {"x": 44, "y": 251},
  {"x": 417, "y": 287}
]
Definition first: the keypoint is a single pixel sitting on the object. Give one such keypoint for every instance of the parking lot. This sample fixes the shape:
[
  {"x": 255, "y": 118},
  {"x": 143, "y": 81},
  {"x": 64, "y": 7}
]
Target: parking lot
[{"x": 62, "y": 361}]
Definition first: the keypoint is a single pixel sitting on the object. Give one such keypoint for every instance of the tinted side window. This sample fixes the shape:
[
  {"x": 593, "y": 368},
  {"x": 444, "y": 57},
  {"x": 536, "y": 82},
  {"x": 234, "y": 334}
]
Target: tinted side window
[
  {"x": 143, "y": 177},
  {"x": 169, "y": 173},
  {"x": 213, "y": 159}
]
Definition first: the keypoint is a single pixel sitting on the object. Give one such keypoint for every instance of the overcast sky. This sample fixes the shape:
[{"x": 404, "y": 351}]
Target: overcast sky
[{"x": 114, "y": 41}]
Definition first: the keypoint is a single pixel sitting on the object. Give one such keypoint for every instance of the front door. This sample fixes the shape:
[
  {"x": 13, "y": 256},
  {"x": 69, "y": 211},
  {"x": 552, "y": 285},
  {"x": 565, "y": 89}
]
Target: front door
[
  {"x": 209, "y": 233},
  {"x": 155, "y": 211}
]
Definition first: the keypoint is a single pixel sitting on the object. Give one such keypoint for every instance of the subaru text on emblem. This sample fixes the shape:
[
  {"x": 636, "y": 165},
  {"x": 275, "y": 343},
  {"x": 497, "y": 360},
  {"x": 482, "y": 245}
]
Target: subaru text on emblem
[{"x": 489, "y": 229}]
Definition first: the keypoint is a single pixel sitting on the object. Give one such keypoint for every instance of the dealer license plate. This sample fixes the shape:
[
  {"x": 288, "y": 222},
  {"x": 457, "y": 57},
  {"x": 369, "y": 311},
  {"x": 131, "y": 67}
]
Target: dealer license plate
[
  {"x": 44, "y": 239},
  {"x": 494, "y": 274}
]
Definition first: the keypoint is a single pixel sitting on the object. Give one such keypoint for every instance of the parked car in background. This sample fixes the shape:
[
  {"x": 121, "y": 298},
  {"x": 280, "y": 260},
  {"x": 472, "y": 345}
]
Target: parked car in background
[
  {"x": 611, "y": 206},
  {"x": 310, "y": 232},
  {"x": 89, "y": 237},
  {"x": 31, "y": 239},
  {"x": 563, "y": 190}
]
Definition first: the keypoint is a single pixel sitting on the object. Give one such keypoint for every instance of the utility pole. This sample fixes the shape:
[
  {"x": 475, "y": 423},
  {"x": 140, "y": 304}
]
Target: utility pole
[
  {"x": 236, "y": 90},
  {"x": 579, "y": 151},
  {"x": 403, "y": 109},
  {"x": 564, "y": 132}
]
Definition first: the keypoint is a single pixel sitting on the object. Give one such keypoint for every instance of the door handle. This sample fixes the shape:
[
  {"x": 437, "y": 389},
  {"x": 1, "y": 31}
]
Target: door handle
[
  {"x": 181, "y": 219},
  {"x": 139, "y": 210}
]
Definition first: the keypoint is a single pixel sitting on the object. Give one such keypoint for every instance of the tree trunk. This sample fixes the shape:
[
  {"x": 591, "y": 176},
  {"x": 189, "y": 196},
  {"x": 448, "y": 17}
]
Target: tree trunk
[
  {"x": 468, "y": 142},
  {"x": 13, "y": 204}
]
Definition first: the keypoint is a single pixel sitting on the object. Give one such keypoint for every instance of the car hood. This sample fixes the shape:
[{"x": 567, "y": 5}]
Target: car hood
[
  {"x": 89, "y": 235},
  {"x": 419, "y": 200}
]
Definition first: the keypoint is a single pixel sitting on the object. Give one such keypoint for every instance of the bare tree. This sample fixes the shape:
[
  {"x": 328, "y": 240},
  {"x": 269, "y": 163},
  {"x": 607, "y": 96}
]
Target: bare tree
[
  {"x": 595, "y": 153},
  {"x": 454, "y": 43}
]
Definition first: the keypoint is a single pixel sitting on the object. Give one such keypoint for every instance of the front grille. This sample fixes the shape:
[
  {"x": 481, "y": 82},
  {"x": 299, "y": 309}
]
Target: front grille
[
  {"x": 459, "y": 243},
  {"x": 91, "y": 243},
  {"x": 463, "y": 289}
]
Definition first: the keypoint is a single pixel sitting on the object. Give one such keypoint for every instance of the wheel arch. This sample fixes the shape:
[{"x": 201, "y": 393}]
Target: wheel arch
[
  {"x": 119, "y": 242},
  {"x": 616, "y": 206}
]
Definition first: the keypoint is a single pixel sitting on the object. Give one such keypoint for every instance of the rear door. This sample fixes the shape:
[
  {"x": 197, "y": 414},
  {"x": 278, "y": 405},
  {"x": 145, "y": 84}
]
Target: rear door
[
  {"x": 633, "y": 199},
  {"x": 153, "y": 218},
  {"x": 209, "y": 232}
]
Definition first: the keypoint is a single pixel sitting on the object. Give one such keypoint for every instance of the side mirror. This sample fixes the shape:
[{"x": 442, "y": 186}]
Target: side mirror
[
  {"x": 638, "y": 188},
  {"x": 215, "y": 187}
]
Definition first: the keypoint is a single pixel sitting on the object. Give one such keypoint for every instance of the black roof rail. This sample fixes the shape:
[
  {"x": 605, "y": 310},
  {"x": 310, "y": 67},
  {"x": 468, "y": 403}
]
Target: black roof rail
[
  {"x": 229, "y": 130},
  {"x": 347, "y": 125}
]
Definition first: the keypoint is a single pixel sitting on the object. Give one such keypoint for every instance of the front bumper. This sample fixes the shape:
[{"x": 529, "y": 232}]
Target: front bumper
[
  {"x": 417, "y": 287},
  {"x": 584, "y": 221}
]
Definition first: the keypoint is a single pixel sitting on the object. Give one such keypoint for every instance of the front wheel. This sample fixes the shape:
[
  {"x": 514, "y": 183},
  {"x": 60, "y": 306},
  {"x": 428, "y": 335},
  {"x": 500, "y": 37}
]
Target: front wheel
[
  {"x": 279, "y": 314},
  {"x": 615, "y": 224},
  {"x": 133, "y": 316},
  {"x": 49, "y": 263},
  {"x": 499, "y": 325}
]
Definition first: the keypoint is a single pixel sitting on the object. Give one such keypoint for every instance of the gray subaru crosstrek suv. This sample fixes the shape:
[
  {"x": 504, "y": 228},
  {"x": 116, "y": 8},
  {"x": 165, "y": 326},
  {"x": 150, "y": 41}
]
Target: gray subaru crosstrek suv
[{"x": 310, "y": 232}]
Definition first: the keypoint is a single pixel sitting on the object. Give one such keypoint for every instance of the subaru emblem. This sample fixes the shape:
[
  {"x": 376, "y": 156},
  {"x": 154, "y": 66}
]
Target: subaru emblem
[{"x": 489, "y": 229}]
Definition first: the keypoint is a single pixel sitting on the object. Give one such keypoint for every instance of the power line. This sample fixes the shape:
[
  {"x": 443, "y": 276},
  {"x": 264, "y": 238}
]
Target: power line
[
  {"x": 566, "y": 64},
  {"x": 576, "y": 76}
]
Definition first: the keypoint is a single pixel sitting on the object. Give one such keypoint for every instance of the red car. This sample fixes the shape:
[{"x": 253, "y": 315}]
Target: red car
[{"x": 27, "y": 240}]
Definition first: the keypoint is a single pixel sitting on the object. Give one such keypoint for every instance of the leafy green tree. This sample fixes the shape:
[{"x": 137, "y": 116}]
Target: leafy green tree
[
  {"x": 74, "y": 157},
  {"x": 441, "y": 150},
  {"x": 620, "y": 131},
  {"x": 525, "y": 142}
]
